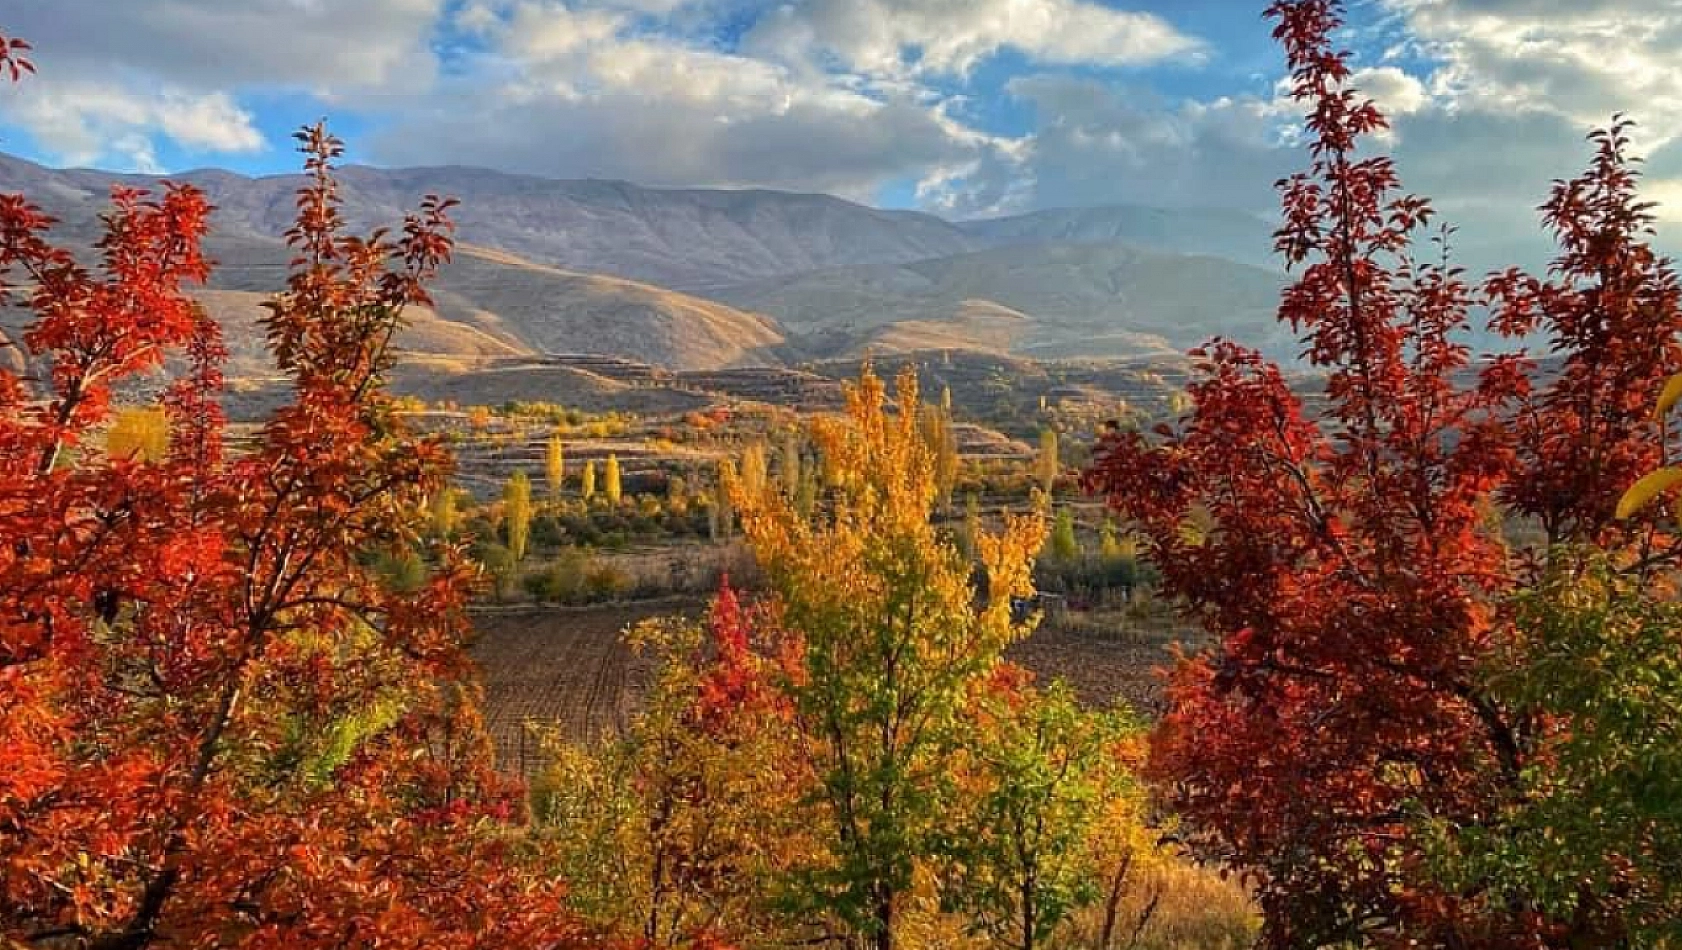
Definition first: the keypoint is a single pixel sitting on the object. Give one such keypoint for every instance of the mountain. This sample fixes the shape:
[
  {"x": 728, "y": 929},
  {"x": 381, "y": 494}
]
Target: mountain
[
  {"x": 1218, "y": 232},
  {"x": 536, "y": 309},
  {"x": 1048, "y": 300},
  {"x": 704, "y": 280},
  {"x": 685, "y": 239},
  {"x": 680, "y": 239}
]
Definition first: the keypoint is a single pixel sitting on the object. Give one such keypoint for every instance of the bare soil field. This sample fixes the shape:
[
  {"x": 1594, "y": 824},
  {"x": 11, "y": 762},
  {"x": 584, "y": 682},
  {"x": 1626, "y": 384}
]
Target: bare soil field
[
  {"x": 571, "y": 667},
  {"x": 1107, "y": 660}
]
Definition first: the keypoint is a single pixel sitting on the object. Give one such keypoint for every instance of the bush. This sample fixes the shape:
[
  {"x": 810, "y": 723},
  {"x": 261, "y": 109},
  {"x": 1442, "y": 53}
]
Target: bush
[
  {"x": 548, "y": 532},
  {"x": 499, "y": 563},
  {"x": 606, "y": 582},
  {"x": 562, "y": 580}
]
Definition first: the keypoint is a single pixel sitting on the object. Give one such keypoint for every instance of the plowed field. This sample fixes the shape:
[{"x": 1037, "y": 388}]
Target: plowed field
[{"x": 572, "y": 669}]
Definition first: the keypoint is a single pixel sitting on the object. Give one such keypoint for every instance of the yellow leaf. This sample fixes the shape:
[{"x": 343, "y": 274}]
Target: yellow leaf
[
  {"x": 1644, "y": 490},
  {"x": 1669, "y": 397}
]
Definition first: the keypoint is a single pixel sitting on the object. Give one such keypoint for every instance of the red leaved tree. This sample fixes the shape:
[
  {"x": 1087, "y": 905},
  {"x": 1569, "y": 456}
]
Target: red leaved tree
[
  {"x": 1353, "y": 574},
  {"x": 218, "y": 727}
]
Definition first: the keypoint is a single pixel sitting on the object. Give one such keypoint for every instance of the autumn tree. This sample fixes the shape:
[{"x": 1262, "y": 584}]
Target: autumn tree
[
  {"x": 1610, "y": 308},
  {"x": 587, "y": 481},
  {"x": 139, "y": 432},
  {"x": 554, "y": 465},
  {"x": 1347, "y": 563},
  {"x": 443, "y": 512},
  {"x": 1065, "y": 546},
  {"x": 1046, "y": 464},
  {"x": 611, "y": 486},
  {"x": 754, "y": 470},
  {"x": 806, "y": 493},
  {"x": 1037, "y": 778},
  {"x": 789, "y": 470},
  {"x": 219, "y": 725},
  {"x": 516, "y": 513},
  {"x": 683, "y": 824},
  {"x": 943, "y": 447},
  {"x": 1594, "y": 834},
  {"x": 723, "y": 515},
  {"x": 971, "y": 529},
  {"x": 891, "y": 641}
]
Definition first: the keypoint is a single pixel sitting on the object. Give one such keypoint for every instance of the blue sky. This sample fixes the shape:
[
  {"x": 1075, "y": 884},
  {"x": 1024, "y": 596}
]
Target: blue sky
[{"x": 958, "y": 107}]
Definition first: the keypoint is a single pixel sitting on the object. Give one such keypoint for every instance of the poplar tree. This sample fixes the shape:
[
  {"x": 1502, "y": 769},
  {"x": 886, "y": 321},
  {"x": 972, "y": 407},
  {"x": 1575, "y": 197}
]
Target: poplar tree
[
  {"x": 790, "y": 471},
  {"x": 1065, "y": 547},
  {"x": 724, "y": 510},
  {"x": 516, "y": 513},
  {"x": 1046, "y": 466},
  {"x": 755, "y": 471},
  {"x": 554, "y": 466},
  {"x": 610, "y": 479},
  {"x": 443, "y": 513}
]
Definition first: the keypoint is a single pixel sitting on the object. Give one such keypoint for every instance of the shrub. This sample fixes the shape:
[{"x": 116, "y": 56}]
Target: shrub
[
  {"x": 563, "y": 580},
  {"x": 607, "y": 582}
]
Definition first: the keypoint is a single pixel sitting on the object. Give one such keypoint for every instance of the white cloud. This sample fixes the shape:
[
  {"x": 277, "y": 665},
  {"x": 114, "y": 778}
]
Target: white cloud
[
  {"x": 1575, "y": 58},
  {"x": 589, "y": 91},
  {"x": 89, "y": 122},
  {"x": 1510, "y": 88},
  {"x": 546, "y": 31},
  {"x": 1101, "y": 143},
  {"x": 1395, "y": 92},
  {"x": 210, "y": 45},
  {"x": 905, "y": 37},
  {"x": 835, "y": 95},
  {"x": 119, "y": 80}
]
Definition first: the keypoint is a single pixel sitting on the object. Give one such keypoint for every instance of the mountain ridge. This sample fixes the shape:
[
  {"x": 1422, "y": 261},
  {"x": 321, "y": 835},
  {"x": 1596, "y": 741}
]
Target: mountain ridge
[{"x": 704, "y": 279}]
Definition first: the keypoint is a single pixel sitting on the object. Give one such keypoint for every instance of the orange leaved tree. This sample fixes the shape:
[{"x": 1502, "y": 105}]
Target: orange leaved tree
[
  {"x": 1350, "y": 566},
  {"x": 217, "y": 726}
]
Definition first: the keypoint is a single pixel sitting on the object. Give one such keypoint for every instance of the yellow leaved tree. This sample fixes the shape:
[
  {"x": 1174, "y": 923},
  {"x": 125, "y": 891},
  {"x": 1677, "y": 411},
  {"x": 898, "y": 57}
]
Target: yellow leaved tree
[
  {"x": 139, "y": 433},
  {"x": 894, "y": 637}
]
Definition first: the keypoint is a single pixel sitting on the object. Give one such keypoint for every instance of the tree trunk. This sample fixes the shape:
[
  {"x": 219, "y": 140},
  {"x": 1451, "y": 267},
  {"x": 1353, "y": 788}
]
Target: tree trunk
[
  {"x": 883, "y": 938},
  {"x": 1112, "y": 903}
]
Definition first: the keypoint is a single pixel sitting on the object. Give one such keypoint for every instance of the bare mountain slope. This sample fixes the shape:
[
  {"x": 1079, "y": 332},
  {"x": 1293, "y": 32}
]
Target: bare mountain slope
[
  {"x": 493, "y": 303},
  {"x": 1096, "y": 299},
  {"x": 683, "y": 239},
  {"x": 554, "y": 310},
  {"x": 1220, "y": 232},
  {"x": 840, "y": 278}
]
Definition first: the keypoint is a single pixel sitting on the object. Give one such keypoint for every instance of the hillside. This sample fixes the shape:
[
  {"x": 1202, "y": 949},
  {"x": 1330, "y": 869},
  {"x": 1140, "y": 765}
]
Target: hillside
[
  {"x": 1216, "y": 231},
  {"x": 683, "y": 239},
  {"x": 1046, "y": 300},
  {"x": 596, "y": 267}
]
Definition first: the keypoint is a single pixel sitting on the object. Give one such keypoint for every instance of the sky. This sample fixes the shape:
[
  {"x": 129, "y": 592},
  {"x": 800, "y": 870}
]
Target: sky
[{"x": 964, "y": 108}]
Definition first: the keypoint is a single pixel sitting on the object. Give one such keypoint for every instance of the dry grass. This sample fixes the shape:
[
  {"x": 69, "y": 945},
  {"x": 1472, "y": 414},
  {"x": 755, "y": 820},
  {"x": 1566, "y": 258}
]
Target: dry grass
[{"x": 1175, "y": 906}]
